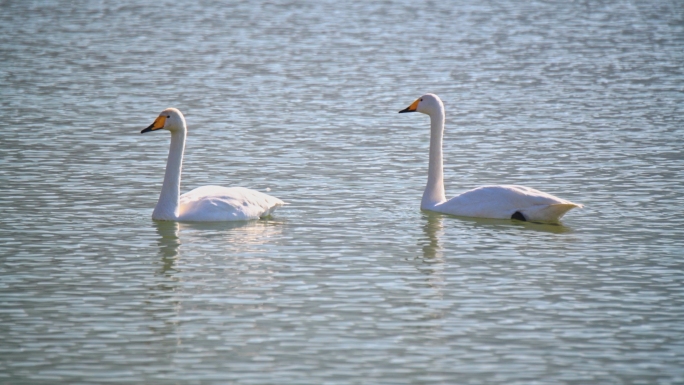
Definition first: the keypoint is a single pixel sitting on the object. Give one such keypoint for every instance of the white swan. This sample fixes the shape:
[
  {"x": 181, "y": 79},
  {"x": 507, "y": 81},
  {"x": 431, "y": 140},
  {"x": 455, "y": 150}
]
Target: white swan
[
  {"x": 206, "y": 203},
  {"x": 502, "y": 202}
]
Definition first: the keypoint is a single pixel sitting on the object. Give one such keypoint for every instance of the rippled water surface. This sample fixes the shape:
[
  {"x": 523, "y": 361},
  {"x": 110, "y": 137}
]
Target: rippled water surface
[{"x": 351, "y": 282}]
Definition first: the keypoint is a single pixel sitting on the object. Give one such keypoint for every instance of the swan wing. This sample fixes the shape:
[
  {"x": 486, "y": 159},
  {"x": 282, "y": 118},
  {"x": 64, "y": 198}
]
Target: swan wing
[
  {"x": 215, "y": 203},
  {"x": 503, "y": 201}
]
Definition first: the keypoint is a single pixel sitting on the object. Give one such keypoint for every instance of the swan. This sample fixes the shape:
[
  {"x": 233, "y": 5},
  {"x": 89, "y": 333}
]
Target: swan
[
  {"x": 206, "y": 203},
  {"x": 498, "y": 202}
]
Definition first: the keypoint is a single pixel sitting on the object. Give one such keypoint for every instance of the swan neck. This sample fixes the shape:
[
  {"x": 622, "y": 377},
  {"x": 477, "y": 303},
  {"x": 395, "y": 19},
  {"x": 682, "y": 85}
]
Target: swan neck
[
  {"x": 434, "y": 190},
  {"x": 169, "y": 199}
]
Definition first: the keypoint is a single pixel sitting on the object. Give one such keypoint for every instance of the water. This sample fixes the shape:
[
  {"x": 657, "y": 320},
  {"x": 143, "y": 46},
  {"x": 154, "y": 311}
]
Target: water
[{"x": 350, "y": 283}]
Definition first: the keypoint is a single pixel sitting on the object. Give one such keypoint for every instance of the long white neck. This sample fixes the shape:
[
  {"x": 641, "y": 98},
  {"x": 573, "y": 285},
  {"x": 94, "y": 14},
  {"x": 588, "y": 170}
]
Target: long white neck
[
  {"x": 434, "y": 190},
  {"x": 168, "y": 204}
]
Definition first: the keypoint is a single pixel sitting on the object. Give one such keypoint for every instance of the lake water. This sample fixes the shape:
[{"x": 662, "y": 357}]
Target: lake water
[{"x": 351, "y": 282}]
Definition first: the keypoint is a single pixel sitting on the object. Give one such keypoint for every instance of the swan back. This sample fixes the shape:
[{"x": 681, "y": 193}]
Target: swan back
[
  {"x": 504, "y": 201},
  {"x": 216, "y": 203}
]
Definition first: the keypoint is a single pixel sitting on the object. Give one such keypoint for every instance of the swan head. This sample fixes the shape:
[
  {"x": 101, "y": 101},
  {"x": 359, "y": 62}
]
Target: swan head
[
  {"x": 170, "y": 119},
  {"x": 428, "y": 104}
]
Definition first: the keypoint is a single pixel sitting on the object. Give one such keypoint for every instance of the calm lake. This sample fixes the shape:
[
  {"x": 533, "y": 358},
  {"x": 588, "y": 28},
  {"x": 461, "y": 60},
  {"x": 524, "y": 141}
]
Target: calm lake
[{"x": 350, "y": 282}]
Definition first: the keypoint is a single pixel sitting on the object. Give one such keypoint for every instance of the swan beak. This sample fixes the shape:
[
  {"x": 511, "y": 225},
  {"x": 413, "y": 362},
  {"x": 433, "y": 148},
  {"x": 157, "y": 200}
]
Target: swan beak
[
  {"x": 412, "y": 107},
  {"x": 157, "y": 125}
]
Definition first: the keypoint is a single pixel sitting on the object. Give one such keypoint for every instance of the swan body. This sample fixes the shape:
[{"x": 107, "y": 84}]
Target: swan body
[
  {"x": 207, "y": 203},
  {"x": 498, "y": 202}
]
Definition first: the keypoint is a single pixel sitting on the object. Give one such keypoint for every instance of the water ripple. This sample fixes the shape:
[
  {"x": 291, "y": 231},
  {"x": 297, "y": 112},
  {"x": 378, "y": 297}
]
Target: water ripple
[{"x": 350, "y": 280}]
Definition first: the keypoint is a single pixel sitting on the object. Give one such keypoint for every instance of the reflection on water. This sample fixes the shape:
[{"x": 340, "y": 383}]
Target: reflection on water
[
  {"x": 239, "y": 236},
  {"x": 433, "y": 230},
  {"x": 433, "y": 256},
  {"x": 168, "y": 242},
  {"x": 509, "y": 224},
  {"x": 238, "y": 232}
]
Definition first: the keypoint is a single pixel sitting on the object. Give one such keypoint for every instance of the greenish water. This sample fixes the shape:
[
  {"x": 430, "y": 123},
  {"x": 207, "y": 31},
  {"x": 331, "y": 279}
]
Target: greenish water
[{"x": 351, "y": 282}]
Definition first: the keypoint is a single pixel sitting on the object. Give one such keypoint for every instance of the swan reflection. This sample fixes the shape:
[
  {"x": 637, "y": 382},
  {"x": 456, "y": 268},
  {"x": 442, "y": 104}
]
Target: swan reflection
[
  {"x": 433, "y": 253},
  {"x": 235, "y": 235},
  {"x": 210, "y": 245},
  {"x": 168, "y": 243},
  {"x": 508, "y": 224},
  {"x": 434, "y": 230}
]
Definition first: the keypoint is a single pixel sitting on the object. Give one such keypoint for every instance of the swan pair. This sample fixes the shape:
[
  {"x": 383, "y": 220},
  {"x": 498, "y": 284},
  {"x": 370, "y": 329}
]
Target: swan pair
[{"x": 214, "y": 203}]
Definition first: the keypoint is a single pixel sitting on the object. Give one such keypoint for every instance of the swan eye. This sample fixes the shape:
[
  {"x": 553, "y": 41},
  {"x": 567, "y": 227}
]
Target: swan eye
[{"x": 421, "y": 99}]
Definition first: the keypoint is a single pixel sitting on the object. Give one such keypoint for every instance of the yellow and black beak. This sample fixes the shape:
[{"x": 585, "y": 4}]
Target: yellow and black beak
[
  {"x": 157, "y": 125},
  {"x": 412, "y": 107}
]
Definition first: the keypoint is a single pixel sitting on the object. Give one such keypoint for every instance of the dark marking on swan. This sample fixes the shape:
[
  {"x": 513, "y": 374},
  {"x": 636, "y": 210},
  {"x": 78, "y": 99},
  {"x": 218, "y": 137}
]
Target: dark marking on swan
[{"x": 518, "y": 215}]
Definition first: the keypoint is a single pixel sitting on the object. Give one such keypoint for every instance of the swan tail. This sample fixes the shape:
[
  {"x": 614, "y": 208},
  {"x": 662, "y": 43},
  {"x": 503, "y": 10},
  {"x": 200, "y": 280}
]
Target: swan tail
[
  {"x": 273, "y": 208},
  {"x": 549, "y": 213}
]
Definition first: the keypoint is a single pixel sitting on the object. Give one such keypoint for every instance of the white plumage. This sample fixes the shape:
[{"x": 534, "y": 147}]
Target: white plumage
[
  {"x": 216, "y": 203},
  {"x": 207, "y": 203},
  {"x": 500, "y": 202}
]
